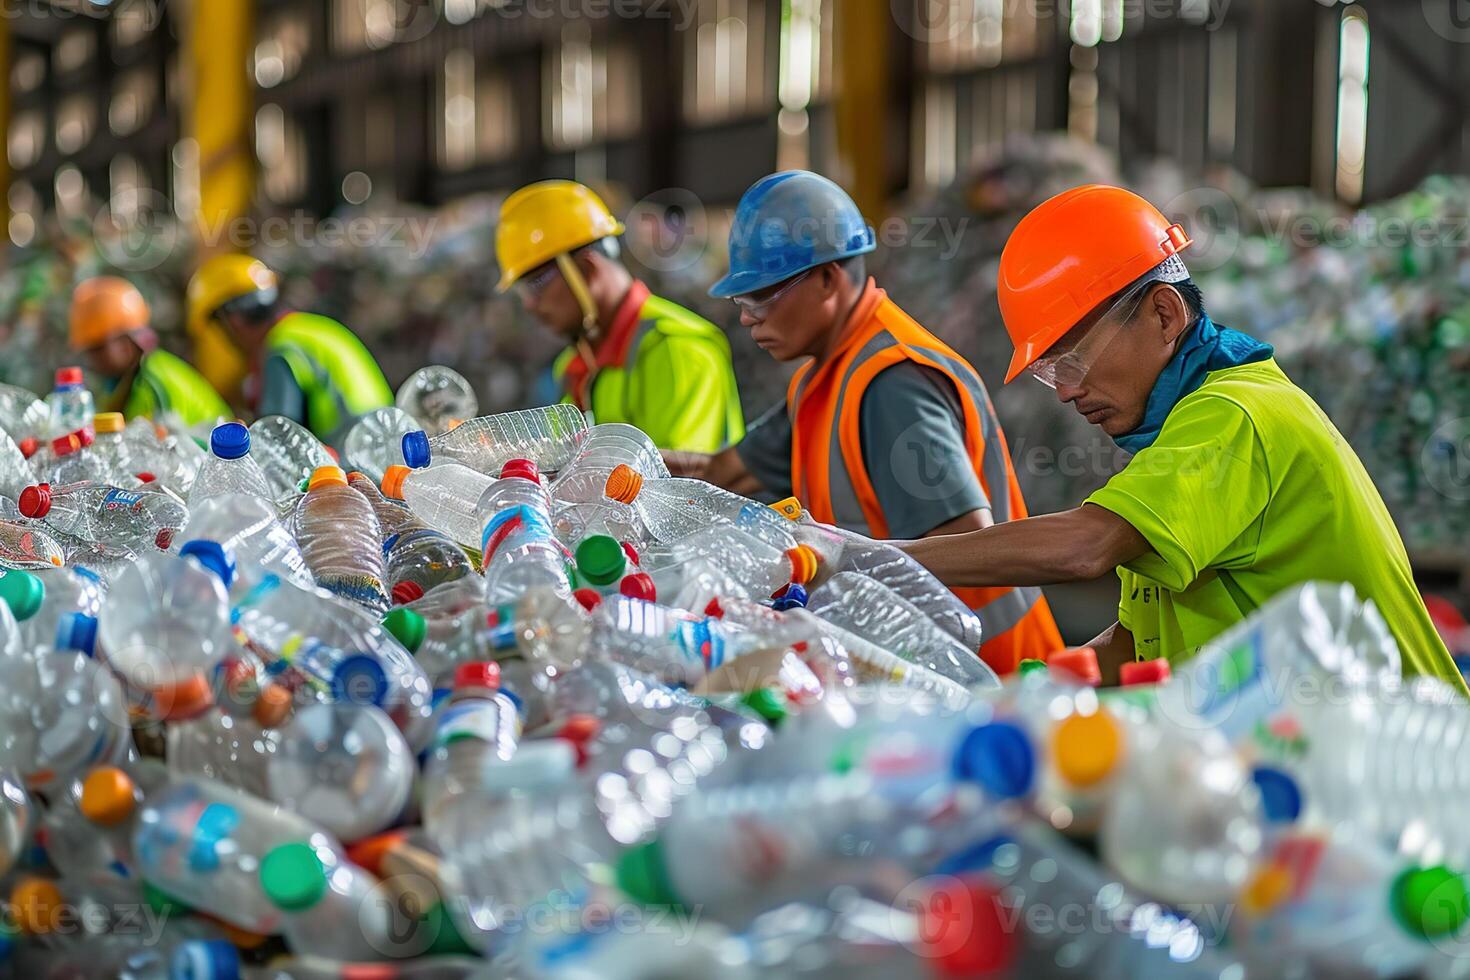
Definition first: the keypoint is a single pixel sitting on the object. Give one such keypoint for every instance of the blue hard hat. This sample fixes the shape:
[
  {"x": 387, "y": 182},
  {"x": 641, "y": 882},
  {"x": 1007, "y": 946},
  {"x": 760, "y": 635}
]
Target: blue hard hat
[{"x": 786, "y": 224}]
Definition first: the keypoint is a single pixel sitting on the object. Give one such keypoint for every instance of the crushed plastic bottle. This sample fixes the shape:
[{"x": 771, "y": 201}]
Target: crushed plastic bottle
[
  {"x": 141, "y": 518},
  {"x": 246, "y": 527},
  {"x": 600, "y": 450},
  {"x": 288, "y": 454}
]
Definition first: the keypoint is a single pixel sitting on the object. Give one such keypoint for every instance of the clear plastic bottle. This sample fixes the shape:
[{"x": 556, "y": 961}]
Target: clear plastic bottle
[
  {"x": 393, "y": 515},
  {"x": 141, "y": 518},
  {"x": 28, "y": 546},
  {"x": 475, "y": 744},
  {"x": 229, "y": 470},
  {"x": 111, "y": 446},
  {"x": 15, "y": 471},
  {"x": 22, "y": 414},
  {"x": 288, "y": 454},
  {"x": 446, "y": 496},
  {"x": 546, "y": 436},
  {"x": 418, "y": 557},
  {"x": 70, "y": 404},
  {"x": 673, "y": 508},
  {"x": 55, "y": 608},
  {"x": 600, "y": 450},
  {"x": 760, "y": 569},
  {"x": 73, "y": 461},
  {"x": 438, "y": 398},
  {"x": 89, "y": 827},
  {"x": 375, "y": 441},
  {"x": 329, "y": 908},
  {"x": 246, "y": 526},
  {"x": 235, "y": 751},
  {"x": 520, "y": 550},
  {"x": 344, "y": 766},
  {"x": 60, "y": 715},
  {"x": 202, "y": 842},
  {"x": 340, "y": 540},
  {"x": 18, "y": 817},
  {"x": 871, "y": 610}
]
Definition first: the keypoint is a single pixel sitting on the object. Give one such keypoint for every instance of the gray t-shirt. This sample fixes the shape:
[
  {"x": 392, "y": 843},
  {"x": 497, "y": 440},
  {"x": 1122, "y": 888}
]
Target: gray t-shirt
[{"x": 911, "y": 423}]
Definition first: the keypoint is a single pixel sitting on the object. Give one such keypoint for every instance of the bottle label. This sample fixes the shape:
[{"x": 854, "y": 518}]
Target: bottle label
[
  {"x": 366, "y": 589},
  {"x": 701, "y": 642},
  {"x": 122, "y": 500},
  {"x": 476, "y": 719}
]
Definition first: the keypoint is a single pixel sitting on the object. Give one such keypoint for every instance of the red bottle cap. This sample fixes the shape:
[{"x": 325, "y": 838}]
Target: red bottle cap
[
  {"x": 1080, "y": 663},
  {"x": 85, "y": 435},
  {"x": 28, "y": 446},
  {"x": 639, "y": 586},
  {"x": 145, "y": 477},
  {"x": 406, "y": 592},
  {"x": 965, "y": 929},
  {"x": 1144, "y": 672},
  {"x": 524, "y": 468},
  {"x": 36, "y": 501},
  {"x": 589, "y": 599},
  {"x": 631, "y": 552},
  {"x": 66, "y": 445},
  {"x": 714, "y": 610},
  {"x": 69, "y": 376},
  {"x": 580, "y": 730},
  {"x": 481, "y": 674}
]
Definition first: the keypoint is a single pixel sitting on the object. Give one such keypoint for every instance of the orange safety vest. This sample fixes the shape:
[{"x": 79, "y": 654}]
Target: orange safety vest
[{"x": 829, "y": 475}]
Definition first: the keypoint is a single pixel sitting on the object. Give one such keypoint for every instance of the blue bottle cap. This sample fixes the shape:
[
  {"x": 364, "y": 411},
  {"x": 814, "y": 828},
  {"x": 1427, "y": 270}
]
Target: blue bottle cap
[
  {"x": 999, "y": 756},
  {"x": 205, "y": 959},
  {"x": 77, "y": 631},
  {"x": 416, "y": 449},
  {"x": 794, "y": 596},
  {"x": 230, "y": 440},
  {"x": 1281, "y": 798},
  {"x": 360, "y": 679},
  {"x": 214, "y": 556}
]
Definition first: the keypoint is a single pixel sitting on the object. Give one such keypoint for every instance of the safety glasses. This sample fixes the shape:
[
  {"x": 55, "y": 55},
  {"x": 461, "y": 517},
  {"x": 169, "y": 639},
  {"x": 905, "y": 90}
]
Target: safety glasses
[
  {"x": 1070, "y": 359},
  {"x": 534, "y": 283},
  {"x": 760, "y": 302}
]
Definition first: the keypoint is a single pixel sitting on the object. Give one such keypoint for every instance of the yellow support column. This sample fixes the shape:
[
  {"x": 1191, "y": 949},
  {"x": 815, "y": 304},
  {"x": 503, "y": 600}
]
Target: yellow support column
[
  {"x": 862, "y": 32},
  {"x": 221, "y": 119}
]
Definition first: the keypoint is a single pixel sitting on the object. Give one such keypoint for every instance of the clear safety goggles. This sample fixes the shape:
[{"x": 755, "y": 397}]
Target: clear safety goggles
[
  {"x": 534, "y": 283},
  {"x": 760, "y": 302},
  {"x": 1068, "y": 361}
]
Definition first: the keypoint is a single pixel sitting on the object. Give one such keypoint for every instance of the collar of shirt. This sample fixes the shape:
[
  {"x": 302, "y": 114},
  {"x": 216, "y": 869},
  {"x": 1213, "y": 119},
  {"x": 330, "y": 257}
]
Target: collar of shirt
[{"x": 612, "y": 349}]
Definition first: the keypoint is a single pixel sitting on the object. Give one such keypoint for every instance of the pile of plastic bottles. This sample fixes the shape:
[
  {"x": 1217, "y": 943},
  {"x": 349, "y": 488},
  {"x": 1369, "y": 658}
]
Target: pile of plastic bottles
[{"x": 499, "y": 697}]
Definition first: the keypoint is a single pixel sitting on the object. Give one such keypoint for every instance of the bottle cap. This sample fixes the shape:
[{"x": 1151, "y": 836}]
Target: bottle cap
[
  {"x": 164, "y": 538},
  {"x": 525, "y": 469},
  {"x": 416, "y": 449},
  {"x": 28, "y": 446},
  {"x": 272, "y": 706},
  {"x": 360, "y": 679},
  {"x": 644, "y": 876},
  {"x": 66, "y": 445},
  {"x": 231, "y": 440},
  {"x": 790, "y": 508},
  {"x": 600, "y": 559},
  {"x": 85, "y": 435},
  {"x": 406, "y": 591},
  {"x": 623, "y": 484},
  {"x": 407, "y": 627},
  {"x": 481, "y": 674},
  {"x": 631, "y": 552},
  {"x": 768, "y": 702},
  {"x": 1281, "y": 798},
  {"x": 145, "y": 477},
  {"x": 965, "y": 930},
  {"x": 109, "y": 422},
  {"x": 205, "y": 959},
  {"x": 588, "y": 599},
  {"x": 189, "y": 698},
  {"x": 108, "y": 796},
  {"x": 1031, "y": 666},
  {"x": 68, "y": 376},
  {"x": 639, "y": 585},
  {"x": 714, "y": 610},
  {"x": 77, "y": 631},
  {"x": 393, "y": 481},
  {"x": 23, "y": 593},
  {"x": 36, "y": 905},
  {"x": 1430, "y": 902},
  {"x": 1081, "y": 663},
  {"x": 579, "y": 731},
  {"x": 161, "y": 901},
  {"x": 1087, "y": 748},
  {"x": 999, "y": 757},
  {"x": 293, "y": 877},
  {"x": 792, "y": 597},
  {"x": 1144, "y": 672},
  {"x": 329, "y": 476},
  {"x": 804, "y": 562},
  {"x": 213, "y": 557},
  {"x": 369, "y": 852}
]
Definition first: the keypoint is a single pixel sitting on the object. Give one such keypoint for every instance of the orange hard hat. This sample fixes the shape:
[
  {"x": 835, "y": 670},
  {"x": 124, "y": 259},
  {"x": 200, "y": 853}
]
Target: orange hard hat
[
  {"x": 1072, "y": 253},
  {"x": 102, "y": 308}
]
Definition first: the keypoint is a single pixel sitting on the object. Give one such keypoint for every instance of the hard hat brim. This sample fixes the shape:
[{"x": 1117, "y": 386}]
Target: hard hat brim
[{"x": 750, "y": 281}]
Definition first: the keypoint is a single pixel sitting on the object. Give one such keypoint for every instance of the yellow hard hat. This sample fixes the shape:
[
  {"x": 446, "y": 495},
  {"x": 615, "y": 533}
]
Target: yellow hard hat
[
  {"x": 104, "y": 307},
  {"x": 547, "y": 219},
  {"x": 223, "y": 278}
]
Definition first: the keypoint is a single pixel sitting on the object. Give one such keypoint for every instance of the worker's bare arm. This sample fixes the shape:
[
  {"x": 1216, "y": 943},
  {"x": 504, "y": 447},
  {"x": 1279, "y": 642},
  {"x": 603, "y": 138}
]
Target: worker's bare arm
[
  {"x": 1114, "y": 647},
  {"x": 975, "y": 520},
  {"x": 1073, "y": 546},
  {"x": 724, "y": 469}
]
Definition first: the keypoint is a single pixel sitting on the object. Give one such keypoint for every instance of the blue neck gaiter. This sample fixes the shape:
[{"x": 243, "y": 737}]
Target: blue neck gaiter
[{"x": 1203, "y": 349}]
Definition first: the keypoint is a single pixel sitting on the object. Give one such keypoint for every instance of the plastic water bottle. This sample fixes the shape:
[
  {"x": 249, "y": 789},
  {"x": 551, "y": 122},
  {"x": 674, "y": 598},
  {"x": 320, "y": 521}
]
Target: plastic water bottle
[
  {"x": 18, "y": 817},
  {"x": 340, "y": 539},
  {"x": 112, "y": 447},
  {"x": 546, "y": 436},
  {"x": 246, "y": 527},
  {"x": 202, "y": 843},
  {"x": 229, "y": 470},
  {"x": 22, "y": 414},
  {"x": 133, "y": 518},
  {"x": 446, "y": 496},
  {"x": 218, "y": 746},
  {"x": 454, "y": 615},
  {"x": 70, "y": 403},
  {"x": 418, "y": 557},
  {"x": 15, "y": 472},
  {"x": 600, "y": 450},
  {"x": 673, "y": 508},
  {"x": 863, "y": 606},
  {"x": 89, "y": 827},
  {"x": 393, "y": 515},
  {"x": 28, "y": 546},
  {"x": 55, "y": 608},
  {"x": 520, "y": 550},
  {"x": 73, "y": 462},
  {"x": 60, "y": 714},
  {"x": 344, "y": 766},
  {"x": 329, "y": 908},
  {"x": 760, "y": 569},
  {"x": 438, "y": 398},
  {"x": 375, "y": 441},
  {"x": 288, "y": 453},
  {"x": 674, "y": 646}
]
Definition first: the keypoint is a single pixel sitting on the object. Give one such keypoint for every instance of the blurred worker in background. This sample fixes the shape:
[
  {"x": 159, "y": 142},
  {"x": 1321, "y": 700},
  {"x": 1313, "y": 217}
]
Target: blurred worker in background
[
  {"x": 885, "y": 429},
  {"x": 307, "y": 367},
  {"x": 1239, "y": 488},
  {"x": 110, "y": 325},
  {"x": 631, "y": 357}
]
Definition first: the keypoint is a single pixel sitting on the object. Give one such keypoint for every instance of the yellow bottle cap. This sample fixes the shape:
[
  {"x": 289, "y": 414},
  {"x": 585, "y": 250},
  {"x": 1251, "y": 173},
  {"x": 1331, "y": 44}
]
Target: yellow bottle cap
[
  {"x": 108, "y": 422},
  {"x": 324, "y": 476},
  {"x": 36, "y": 905},
  {"x": 790, "y": 508},
  {"x": 108, "y": 796},
  {"x": 1087, "y": 748},
  {"x": 1268, "y": 889}
]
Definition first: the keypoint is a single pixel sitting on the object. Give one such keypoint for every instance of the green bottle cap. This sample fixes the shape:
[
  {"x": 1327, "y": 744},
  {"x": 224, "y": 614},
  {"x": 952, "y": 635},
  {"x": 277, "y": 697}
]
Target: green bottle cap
[
  {"x": 447, "y": 939},
  {"x": 1430, "y": 902},
  {"x": 293, "y": 877},
  {"x": 601, "y": 560},
  {"x": 162, "y": 902},
  {"x": 1032, "y": 666},
  {"x": 766, "y": 702},
  {"x": 642, "y": 874},
  {"x": 407, "y": 626},
  {"x": 22, "y": 592}
]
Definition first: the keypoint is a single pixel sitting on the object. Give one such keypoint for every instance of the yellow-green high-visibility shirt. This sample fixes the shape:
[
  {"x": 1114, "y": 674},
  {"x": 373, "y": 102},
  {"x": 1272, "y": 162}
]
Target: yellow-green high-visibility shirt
[{"x": 1249, "y": 490}]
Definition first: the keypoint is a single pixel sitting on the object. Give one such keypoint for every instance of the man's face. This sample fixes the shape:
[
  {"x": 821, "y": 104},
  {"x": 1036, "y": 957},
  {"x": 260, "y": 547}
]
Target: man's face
[
  {"x": 547, "y": 297},
  {"x": 114, "y": 357},
  {"x": 791, "y": 319}
]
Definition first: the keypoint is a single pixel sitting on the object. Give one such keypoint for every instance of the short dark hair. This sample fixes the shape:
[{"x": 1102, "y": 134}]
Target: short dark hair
[{"x": 856, "y": 269}]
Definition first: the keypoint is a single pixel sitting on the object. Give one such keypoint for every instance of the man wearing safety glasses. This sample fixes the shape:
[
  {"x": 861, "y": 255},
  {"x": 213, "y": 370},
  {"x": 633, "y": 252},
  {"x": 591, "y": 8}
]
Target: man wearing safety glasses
[
  {"x": 1239, "y": 486},
  {"x": 885, "y": 430},
  {"x": 631, "y": 356}
]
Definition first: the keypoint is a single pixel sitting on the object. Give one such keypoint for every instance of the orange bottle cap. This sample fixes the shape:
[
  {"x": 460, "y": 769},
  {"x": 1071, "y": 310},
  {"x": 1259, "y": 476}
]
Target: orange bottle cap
[
  {"x": 393, "y": 481},
  {"x": 327, "y": 476},
  {"x": 1087, "y": 748},
  {"x": 187, "y": 699},
  {"x": 623, "y": 484},
  {"x": 804, "y": 562},
  {"x": 272, "y": 707},
  {"x": 1268, "y": 889},
  {"x": 108, "y": 796},
  {"x": 36, "y": 905}
]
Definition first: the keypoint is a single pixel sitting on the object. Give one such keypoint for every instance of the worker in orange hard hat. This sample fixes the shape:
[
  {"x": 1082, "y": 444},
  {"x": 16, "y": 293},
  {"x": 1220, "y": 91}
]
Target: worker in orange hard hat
[
  {"x": 110, "y": 324},
  {"x": 1239, "y": 487}
]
